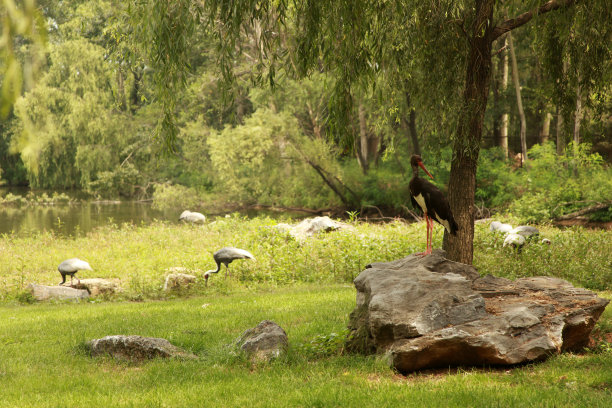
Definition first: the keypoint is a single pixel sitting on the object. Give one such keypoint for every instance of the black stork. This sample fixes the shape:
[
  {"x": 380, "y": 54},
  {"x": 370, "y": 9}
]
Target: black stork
[{"x": 431, "y": 200}]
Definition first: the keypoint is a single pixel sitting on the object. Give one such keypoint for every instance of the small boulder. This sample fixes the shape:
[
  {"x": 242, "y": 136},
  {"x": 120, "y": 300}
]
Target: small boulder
[
  {"x": 192, "y": 217},
  {"x": 176, "y": 281},
  {"x": 136, "y": 348},
  {"x": 312, "y": 226},
  {"x": 264, "y": 342},
  {"x": 97, "y": 286},
  {"x": 42, "y": 292}
]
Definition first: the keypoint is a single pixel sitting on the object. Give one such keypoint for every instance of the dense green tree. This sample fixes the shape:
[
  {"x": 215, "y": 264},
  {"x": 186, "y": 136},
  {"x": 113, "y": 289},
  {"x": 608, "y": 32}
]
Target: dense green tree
[{"x": 355, "y": 40}]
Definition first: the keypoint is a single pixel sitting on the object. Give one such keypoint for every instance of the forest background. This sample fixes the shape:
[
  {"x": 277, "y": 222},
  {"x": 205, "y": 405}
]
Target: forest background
[{"x": 91, "y": 120}]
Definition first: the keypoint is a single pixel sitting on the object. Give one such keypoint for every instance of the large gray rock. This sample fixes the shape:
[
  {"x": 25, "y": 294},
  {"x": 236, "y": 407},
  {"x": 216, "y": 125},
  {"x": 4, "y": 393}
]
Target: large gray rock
[
  {"x": 264, "y": 342},
  {"x": 42, "y": 292},
  {"x": 430, "y": 312},
  {"x": 136, "y": 348}
]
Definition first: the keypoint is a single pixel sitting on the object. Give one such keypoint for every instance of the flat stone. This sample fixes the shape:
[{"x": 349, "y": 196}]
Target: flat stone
[
  {"x": 176, "y": 281},
  {"x": 97, "y": 286},
  {"x": 136, "y": 348},
  {"x": 312, "y": 226},
  {"x": 41, "y": 292}
]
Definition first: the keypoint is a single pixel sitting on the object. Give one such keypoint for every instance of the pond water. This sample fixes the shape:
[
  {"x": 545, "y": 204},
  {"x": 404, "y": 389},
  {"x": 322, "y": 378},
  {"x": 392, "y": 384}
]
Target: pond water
[
  {"x": 81, "y": 217},
  {"x": 77, "y": 219}
]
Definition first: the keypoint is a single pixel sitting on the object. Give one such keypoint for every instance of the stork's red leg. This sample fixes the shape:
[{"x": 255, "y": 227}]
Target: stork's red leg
[{"x": 427, "y": 250}]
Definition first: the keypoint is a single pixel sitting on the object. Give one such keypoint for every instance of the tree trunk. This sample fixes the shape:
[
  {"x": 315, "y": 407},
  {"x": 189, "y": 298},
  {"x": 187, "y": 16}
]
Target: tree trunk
[
  {"x": 362, "y": 152},
  {"x": 577, "y": 117},
  {"x": 462, "y": 184},
  {"x": 503, "y": 132},
  {"x": 121, "y": 90},
  {"x": 559, "y": 132},
  {"x": 545, "y": 134},
  {"x": 519, "y": 100},
  {"x": 134, "y": 100},
  {"x": 411, "y": 125}
]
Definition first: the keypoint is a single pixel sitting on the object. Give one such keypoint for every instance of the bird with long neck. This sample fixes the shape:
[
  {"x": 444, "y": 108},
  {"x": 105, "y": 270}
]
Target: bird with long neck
[
  {"x": 226, "y": 256},
  {"x": 432, "y": 202}
]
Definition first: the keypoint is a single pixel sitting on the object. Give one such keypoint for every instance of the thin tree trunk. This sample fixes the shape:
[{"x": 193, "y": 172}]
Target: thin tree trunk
[
  {"x": 519, "y": 100},
  {"x": 503, "y": 133},
  {"x": 545, "y": 134},
  {"x": 121, "y": 90},
  {"x": 362, "y": 152},
  {"x": 411, "y": 125},
  {"x": 559, "y": 132},
  {"x": 462, "y": 183},
  {"x": 577, "y": 117}
]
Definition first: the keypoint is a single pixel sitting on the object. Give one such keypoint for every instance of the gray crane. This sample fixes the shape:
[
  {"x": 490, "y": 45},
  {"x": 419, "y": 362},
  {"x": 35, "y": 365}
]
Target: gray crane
[
  {"x": 226, "y": 256},
  {"x": 70, "y": 267}
]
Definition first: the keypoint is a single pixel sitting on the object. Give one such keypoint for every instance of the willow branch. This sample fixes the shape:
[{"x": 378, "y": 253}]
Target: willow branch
[{"x": 524, "y": 18}]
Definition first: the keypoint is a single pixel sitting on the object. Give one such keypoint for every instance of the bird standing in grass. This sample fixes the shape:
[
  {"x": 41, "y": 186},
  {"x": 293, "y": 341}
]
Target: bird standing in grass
[
  {"x": 431, "y": 200},
  {"x": 70, "y": 267},
  {"x": 226, "y": 256}
]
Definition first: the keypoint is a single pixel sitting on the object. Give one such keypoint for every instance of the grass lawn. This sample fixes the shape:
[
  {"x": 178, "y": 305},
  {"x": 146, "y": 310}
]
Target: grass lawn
[
  {"x": 43, "y": 362},
  {"x": 304, "y": 287}
]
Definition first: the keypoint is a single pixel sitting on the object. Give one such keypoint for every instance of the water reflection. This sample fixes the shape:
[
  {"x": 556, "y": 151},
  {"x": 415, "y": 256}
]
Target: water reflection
[{"x": 76, "y": 219}]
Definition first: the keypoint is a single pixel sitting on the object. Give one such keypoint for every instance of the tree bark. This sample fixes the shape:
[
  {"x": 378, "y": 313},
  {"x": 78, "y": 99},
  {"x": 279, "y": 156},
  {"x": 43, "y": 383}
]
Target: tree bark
[
  {"x": 577, "y": 117},
  {"x": 503, "y": 133},
  {"x": 519, "y": 100},
  {"x": 559, "y": 132},
  {"x": 411, "y": 125},
  {"x": 545, "y": 134},
  {"x": 462, "y": 183}
]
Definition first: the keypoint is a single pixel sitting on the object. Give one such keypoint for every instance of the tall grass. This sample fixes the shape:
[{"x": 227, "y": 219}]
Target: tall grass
[{"x": 139, "y": 256}]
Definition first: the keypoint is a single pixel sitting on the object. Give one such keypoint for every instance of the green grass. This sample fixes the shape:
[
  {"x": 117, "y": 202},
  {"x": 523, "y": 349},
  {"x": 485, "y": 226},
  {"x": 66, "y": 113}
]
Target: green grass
[
  {"x": 43, "y": 362},
  {"x": 139, "y": 256},
  {"x": 306, "y": 288}
]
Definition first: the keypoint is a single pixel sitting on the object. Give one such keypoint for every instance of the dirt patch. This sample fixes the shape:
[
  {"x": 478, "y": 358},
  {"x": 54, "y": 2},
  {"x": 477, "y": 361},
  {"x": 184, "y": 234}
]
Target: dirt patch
[{"x": 581, "y": 222}]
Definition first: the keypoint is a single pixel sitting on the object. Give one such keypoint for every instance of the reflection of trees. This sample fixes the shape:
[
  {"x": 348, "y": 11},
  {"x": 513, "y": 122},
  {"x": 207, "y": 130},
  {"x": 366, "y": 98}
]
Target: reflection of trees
[{"x": 75, "y": 219}]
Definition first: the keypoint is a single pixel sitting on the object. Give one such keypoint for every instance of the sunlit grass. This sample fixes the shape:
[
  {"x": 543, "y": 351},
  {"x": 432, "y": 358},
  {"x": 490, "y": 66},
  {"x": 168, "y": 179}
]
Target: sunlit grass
[
  {"x": 43, "y": 362},
  {"x": 140, "y": 256},
  {"x": 305, "y": 287}
]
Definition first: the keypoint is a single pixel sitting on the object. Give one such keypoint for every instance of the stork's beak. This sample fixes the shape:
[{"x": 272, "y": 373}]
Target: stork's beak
[{"x": 421, "y": 165}]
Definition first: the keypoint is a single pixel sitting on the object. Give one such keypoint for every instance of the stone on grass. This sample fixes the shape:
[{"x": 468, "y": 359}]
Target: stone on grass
[
  {"x": 136, "y": 348},
  {"x": 312, "y": 226},
  {"x": 97, "y": 286},
  {"x": 177, "y": 281},
  {"x": 42, "y": 292},
  {"x": 264, "y": 342},
  {"x": 428, "y": 312}
]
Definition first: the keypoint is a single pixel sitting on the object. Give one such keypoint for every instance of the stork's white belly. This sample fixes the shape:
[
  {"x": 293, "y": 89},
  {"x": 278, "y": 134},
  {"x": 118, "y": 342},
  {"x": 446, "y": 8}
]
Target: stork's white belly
[{"x": 421, "y": 202}]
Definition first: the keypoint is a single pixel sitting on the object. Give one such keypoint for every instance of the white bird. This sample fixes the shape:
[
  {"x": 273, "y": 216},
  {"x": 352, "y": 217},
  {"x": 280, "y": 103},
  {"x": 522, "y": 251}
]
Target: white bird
[
  {"x": 192, "y": 217},
  {"x": 500, "y": 227},
  {"x": 70, "y": 267},
  {"x": 525, "y": 230},
  {"x": 514, "y": 240},
  {"x": 226, "y": 256}
]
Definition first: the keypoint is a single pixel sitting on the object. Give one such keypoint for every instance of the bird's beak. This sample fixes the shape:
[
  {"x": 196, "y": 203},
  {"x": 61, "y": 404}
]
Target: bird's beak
[{"x": 421, "y": 165}]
